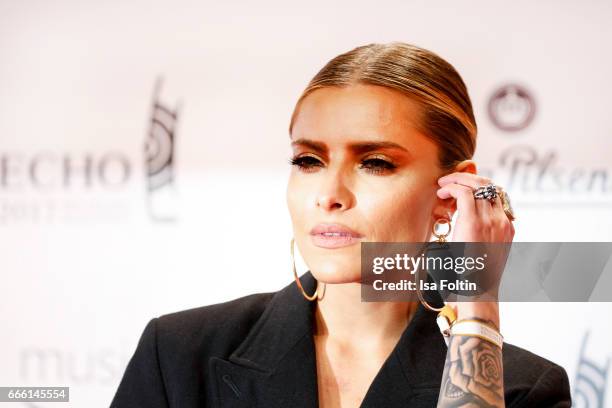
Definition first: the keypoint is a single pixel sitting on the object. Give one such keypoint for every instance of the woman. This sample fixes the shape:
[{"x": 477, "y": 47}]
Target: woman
[{"x": 382, "y": 141}]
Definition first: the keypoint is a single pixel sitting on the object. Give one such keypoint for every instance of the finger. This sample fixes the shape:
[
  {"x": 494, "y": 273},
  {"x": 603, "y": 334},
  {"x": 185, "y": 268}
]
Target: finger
[
  {"x": 464, "y": 197},
  {"x": 479, "y": 208},
  {"x": 499, "y": 204},
  {"x": 488, "y": 209},
  {"x": 493, "y": 215},
  {"x": 502, "y": 219},
  {"x": 495, "y": 208},
  {"x": 484, "y": 210},
  {"x": 467, "y": 179}
]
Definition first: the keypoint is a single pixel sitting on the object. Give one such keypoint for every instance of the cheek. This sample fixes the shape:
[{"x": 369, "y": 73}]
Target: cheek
[
  {"x": 292, "y": 200},
  {"x": 296, "y": 201},
  {"x": 399, "y": 214}
]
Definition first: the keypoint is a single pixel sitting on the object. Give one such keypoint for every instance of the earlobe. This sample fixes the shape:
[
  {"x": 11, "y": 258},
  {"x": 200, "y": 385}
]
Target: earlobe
[{"x": 446, "y": 208}]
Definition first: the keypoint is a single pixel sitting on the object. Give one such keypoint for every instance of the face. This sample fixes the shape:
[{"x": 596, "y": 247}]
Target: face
[{"x": 361, "y": 172}]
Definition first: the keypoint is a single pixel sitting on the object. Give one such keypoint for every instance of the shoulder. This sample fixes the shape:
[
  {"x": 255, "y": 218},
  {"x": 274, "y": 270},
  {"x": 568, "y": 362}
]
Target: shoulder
[
  {"x": 532, "y": 380},
  {"x": 217, "y": 327},
  {"x": 175, "y": 347}
]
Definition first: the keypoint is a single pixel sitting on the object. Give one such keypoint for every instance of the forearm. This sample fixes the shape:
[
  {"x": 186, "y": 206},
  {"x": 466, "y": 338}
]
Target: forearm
[{"x": 473, "y": 371}]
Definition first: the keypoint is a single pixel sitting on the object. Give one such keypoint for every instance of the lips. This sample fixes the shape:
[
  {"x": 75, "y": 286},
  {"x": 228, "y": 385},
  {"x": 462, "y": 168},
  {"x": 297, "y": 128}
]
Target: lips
[{"x": 334, "y": 235}]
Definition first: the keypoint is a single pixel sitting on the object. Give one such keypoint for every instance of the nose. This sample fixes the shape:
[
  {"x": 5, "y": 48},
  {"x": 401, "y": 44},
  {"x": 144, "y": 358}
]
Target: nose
[{"x": 334, "y": 194}]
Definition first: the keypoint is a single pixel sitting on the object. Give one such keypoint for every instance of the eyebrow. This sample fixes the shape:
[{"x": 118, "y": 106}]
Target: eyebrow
[{"x": 358, "y": 148}]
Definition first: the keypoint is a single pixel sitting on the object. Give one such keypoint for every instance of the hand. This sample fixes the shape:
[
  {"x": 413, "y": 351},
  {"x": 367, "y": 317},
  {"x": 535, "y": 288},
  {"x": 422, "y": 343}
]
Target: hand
[{"x": 478, "y": 221}]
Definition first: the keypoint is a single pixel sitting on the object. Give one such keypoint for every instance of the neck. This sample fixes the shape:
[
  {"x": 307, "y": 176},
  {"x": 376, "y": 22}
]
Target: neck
[{"x": 341, "y": 316}]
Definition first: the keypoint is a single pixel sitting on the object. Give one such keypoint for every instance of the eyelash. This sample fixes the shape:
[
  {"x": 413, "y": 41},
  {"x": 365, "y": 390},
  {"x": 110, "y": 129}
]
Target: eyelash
[{"x": 306, "y": 164}]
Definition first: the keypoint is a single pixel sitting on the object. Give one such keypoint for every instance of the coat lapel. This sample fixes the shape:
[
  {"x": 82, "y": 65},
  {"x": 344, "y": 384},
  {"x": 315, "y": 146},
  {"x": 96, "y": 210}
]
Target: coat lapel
[
  {"x": 275, "y": 365},
  {"x": 412, "y": 373}
]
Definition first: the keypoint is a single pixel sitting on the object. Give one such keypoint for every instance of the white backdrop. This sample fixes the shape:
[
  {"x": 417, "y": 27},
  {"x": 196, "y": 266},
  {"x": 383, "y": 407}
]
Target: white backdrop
[{"x": 89, "y": 253}]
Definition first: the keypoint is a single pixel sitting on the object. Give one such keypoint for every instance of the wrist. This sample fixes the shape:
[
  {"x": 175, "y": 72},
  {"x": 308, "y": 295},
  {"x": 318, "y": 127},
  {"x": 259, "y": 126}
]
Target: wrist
[
  {"x": 487, "y": 312},
  {"x": 470, "y": 319},
  {"x": 477, "y": 328}
]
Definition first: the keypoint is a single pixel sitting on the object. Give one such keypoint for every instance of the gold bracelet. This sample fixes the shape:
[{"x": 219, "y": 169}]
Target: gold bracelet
[{"x": 476, "y": 328}]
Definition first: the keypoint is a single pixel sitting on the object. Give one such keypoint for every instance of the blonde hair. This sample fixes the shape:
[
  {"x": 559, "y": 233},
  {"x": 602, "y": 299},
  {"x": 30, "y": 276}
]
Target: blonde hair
[{"x": 446, "y": 111}]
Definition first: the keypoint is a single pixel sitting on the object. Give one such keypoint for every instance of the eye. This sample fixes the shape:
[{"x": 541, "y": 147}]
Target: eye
[
  {"x": 305, "y": 163},
  {"x": 377, "y": 165}
]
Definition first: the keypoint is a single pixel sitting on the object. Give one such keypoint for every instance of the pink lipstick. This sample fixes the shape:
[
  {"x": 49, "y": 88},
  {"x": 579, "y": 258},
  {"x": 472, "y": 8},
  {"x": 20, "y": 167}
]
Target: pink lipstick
[{"x": 333, "y": 235}]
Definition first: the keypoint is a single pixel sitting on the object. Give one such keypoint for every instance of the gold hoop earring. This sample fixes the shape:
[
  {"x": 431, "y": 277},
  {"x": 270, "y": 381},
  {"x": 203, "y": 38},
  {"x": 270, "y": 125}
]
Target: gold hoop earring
[
  {"x": 299, "y": 283},
  {"x": 444, "y": 311},
  {"x": 441, "y": 237}
]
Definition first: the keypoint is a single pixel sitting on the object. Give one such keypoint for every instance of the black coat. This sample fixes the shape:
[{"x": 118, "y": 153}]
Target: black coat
[{"x": 258, "y": 351}]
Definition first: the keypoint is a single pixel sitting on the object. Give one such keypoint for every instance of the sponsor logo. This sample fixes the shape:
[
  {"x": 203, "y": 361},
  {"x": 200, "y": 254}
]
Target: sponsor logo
[
  {"x": 159, "y": 156},
  {"x": 53, "y": 186},
  {"x": 591, "y": 379},
  {"x": 511, "y": 108}
]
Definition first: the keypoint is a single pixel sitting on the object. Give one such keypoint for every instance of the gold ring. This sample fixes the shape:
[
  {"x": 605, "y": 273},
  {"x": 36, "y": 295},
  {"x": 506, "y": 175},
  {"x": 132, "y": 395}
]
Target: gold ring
[{"x": 505, "y": 199}]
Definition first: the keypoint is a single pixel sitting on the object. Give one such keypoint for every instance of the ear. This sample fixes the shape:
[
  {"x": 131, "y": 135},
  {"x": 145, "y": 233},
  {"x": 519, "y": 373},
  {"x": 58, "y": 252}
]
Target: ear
[{"x": 446, "y": 208}]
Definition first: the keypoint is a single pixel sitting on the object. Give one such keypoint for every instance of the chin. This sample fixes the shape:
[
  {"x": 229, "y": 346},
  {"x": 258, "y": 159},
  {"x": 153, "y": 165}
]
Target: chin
[
  {"x": 332, "y": 271},
  {"x": 339, "y": 265}
]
